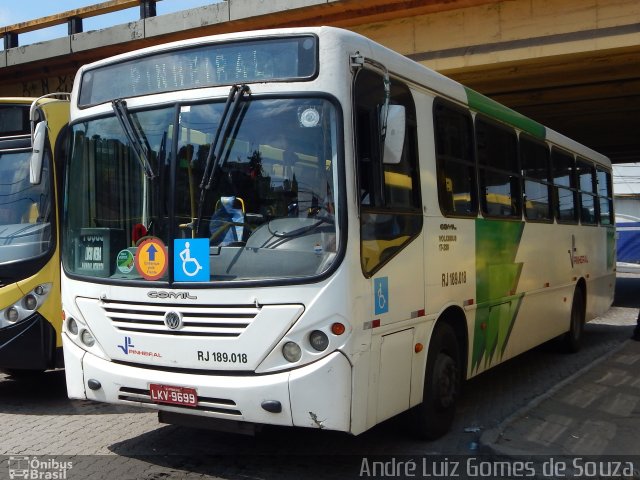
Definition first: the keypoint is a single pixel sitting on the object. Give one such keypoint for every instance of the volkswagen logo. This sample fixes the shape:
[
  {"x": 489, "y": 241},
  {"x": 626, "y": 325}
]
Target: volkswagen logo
[{"x": 173, "y": 320}]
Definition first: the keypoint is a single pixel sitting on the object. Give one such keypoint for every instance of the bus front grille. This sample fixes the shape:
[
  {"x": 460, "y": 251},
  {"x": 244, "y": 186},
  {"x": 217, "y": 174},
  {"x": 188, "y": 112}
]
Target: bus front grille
[
  {"x": 200, "y": 321},
  {"x": 205, "y": 404}
]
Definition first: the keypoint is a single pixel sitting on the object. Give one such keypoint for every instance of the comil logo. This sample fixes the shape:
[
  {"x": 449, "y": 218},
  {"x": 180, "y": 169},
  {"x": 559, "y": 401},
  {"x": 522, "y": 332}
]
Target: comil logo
[
  {"x": 171, "y": 295},
  {"x": 37, "y": 468}
]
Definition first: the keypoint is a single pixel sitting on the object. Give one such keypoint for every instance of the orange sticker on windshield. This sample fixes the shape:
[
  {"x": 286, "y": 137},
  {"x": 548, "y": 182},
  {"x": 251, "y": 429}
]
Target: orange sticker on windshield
[{"x": 151, "y": 259}]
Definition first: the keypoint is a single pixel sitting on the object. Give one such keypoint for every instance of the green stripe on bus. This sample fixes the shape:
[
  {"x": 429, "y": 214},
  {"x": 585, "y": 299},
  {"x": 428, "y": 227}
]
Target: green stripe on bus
[
  {"x": 497, "y": 277},
  {"x": 489, "y": 107}
]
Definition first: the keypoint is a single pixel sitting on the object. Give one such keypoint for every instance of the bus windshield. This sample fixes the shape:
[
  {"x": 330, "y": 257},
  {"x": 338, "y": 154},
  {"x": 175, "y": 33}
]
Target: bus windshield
[
  {"x": 25, "y": 209},
  {"x": 258, "y": 204}
]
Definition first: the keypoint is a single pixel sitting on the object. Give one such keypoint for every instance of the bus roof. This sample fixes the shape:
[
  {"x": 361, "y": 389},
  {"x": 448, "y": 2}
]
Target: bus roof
[
  {"x": 15, "y": 127},
  {"x": 396, "y": 63}
]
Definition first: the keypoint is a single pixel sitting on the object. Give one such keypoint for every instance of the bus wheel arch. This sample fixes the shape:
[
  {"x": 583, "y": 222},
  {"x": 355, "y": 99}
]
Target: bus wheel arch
[
  {"x": 572, "y": 339},
  {"x": 444, "y": 372}
]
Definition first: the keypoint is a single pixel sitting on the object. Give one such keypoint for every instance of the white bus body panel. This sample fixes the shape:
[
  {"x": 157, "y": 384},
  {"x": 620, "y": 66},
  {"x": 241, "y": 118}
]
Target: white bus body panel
[
  {"x": 74, "y": 375},
  {"x": 266, "y": 328},
  {"x": 309, "y": 395}
]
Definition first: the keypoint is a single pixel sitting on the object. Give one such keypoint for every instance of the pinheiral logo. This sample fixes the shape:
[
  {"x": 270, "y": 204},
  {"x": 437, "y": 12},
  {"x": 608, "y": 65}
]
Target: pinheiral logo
[{"x": 128, "y": 348}]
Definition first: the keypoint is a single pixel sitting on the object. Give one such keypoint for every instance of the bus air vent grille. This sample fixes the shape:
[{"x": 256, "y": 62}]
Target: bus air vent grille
[
  {"x": 205, "y": 404},
  {"x": 200, "y": 321}
]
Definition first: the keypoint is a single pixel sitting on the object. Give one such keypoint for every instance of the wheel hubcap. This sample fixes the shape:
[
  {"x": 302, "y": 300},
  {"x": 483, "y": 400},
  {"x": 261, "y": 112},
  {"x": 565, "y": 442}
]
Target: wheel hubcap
[{"x": 446, "y": 375}]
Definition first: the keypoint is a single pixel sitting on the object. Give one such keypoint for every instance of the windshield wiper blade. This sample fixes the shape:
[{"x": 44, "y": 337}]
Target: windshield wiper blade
[
  {"x": 231, "y": 121},
  {"x": 140, "y": 147},
  {"x": 212, "y": 148},
  {"x": 227, "y": 120}
]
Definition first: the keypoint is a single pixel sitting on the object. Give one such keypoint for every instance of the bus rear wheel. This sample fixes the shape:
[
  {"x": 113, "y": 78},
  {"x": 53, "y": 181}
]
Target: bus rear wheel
[
  {"x": 433, "y": 417},
  {"x": 572, "y": 340}
]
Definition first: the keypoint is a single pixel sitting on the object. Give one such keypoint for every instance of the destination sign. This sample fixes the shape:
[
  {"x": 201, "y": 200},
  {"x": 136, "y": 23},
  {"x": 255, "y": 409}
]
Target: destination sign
[
  {"x": 14, "y": 119},
  {"x": 255, "y": 60}
]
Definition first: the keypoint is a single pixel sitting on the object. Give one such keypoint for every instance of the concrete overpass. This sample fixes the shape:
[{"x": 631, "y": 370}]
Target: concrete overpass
[{"x": 571, "y": 64}]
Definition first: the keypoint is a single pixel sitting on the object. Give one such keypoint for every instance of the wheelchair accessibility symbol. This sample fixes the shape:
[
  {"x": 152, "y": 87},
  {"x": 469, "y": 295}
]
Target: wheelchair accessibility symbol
[
  {"x": 191, "y": 260},
  {"x": 185, "y": 256},
  {"x": 381, "y": 295}
]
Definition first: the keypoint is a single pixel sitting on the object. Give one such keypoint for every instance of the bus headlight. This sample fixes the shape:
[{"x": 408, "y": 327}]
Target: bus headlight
[
  {"x": 319, "y": 340},
  {"x": 87, "y": 338},
  {"x": 291, "y": 352},
  {"x": 12, "y": 314},
  {"x": 72, "y": 326},
  {"x": 76, "y": 331},
  {"x": 30, "y": 302},
  {"x": 305, "y": 344},
  {"x": 25, "y": 306}
]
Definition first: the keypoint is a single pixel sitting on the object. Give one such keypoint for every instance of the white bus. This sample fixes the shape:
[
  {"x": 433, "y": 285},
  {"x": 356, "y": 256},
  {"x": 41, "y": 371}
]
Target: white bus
[{"x": 301, "y": 227}]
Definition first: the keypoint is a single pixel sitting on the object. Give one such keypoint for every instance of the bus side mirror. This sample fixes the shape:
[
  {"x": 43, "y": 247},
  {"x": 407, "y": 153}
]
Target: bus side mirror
[
  {"x": 37, "y": 141},
  {"x": 394, "y": 138}
]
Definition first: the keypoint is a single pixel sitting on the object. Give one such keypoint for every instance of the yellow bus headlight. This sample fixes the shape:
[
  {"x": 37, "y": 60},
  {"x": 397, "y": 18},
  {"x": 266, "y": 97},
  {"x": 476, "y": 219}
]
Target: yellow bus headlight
[
  {"x": 12, "y": 314},
  {"x": 25, "y": 307}
]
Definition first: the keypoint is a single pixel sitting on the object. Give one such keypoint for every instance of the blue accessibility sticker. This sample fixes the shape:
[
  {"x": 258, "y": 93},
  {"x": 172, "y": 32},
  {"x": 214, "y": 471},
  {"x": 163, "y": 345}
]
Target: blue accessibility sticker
[
  {"x": 381, "y": 295},
  {"x": 191, "y": 260}
]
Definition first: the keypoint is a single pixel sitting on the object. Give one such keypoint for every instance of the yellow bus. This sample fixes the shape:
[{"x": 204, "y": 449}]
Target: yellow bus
[{"x": 31, "y": 146}]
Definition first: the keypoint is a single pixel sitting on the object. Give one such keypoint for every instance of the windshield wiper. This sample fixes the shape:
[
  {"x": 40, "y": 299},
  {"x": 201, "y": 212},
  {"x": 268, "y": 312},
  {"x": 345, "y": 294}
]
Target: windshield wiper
[
  {"x": 231, "y": 122},
  {"x": 139, "y": 143},
  {"x": 227, "y": 120}
]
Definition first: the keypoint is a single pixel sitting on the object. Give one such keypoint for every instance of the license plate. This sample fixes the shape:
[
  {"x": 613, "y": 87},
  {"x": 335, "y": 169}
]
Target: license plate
[{"x": 171, "y": 395}]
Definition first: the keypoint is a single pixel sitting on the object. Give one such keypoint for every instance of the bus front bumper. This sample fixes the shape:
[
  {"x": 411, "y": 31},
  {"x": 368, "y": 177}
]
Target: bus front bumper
[
  {"x": 28, "y": 345},
  {"x": 317, "y": 395}
]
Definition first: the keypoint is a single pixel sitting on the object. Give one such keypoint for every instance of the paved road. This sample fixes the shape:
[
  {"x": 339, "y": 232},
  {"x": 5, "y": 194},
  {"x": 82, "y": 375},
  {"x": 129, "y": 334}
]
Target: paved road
[{"x": 104, "y": 441}]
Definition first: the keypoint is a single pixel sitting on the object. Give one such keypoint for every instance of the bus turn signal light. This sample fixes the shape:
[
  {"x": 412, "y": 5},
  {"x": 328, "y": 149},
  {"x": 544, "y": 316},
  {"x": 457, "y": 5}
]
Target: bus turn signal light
[
  {"x": 419, "y": 347},
  {"x": 338, "y": 328}
]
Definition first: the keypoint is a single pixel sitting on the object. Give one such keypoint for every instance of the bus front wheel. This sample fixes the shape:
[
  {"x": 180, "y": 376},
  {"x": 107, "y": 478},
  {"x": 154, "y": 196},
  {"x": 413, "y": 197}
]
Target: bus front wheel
[{"x": 433, "y": 417}]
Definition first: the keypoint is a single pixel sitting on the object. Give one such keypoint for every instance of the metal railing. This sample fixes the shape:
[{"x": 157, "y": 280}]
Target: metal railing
[{"x": 73, "y": 18}]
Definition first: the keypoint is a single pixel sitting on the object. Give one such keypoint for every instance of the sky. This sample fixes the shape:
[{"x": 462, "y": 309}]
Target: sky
[
  {"x": 626, "y": 178},
  {"x": 32, "y": 9}
]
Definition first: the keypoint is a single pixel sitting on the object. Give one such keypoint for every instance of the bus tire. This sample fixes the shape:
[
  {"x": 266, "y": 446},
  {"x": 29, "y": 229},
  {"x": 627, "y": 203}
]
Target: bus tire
[
  {"x": 572, "y": 340},
  {"x": 433, "y": 417}
]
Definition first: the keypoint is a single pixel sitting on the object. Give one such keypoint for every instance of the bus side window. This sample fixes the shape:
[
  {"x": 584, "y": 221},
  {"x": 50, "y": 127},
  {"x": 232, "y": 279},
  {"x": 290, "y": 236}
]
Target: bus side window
[
  {"x": 455, "y": 160},
  {"x": 564, "y": 180},
  {"x": 605, "y": 196},
  {"x": 535, "y": 161},
  {"x": 367, "y": 176},
  {"x": 587, "y": 183},
  {"x": 498, "y": 170},
  {"x": 389, "y": 193}
]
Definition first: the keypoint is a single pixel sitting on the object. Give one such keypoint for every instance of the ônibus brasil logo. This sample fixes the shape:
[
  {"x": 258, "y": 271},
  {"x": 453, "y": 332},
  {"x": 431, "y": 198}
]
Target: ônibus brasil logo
[{"x": 36, "y": 468}]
